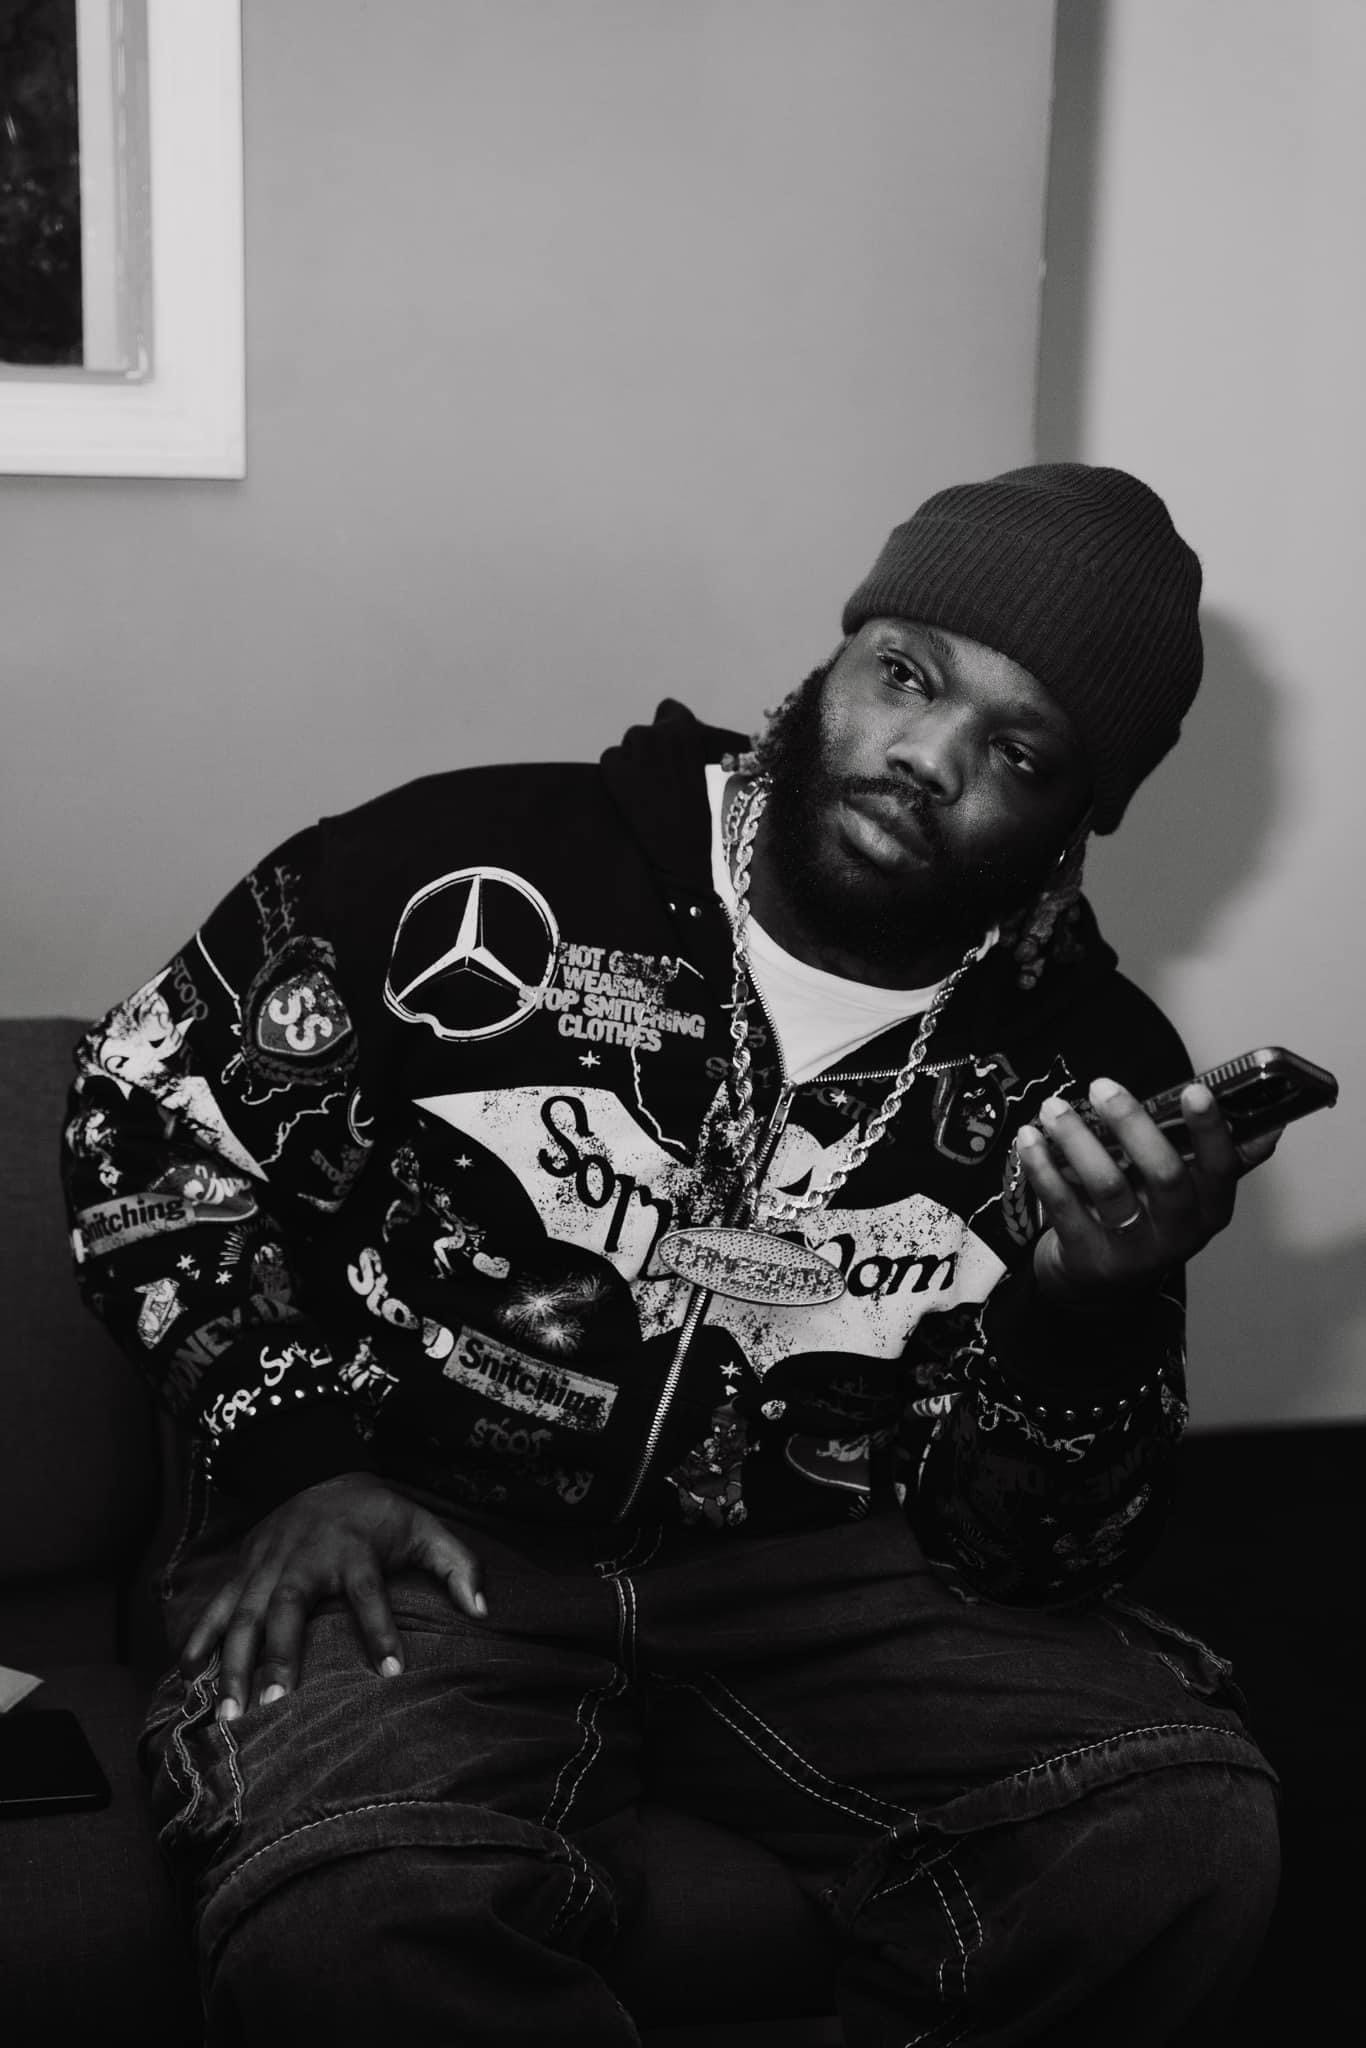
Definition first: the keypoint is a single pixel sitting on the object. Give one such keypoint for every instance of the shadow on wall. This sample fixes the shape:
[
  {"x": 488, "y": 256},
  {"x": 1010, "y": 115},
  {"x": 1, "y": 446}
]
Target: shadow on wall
[
  {"x": 1198, "y": 833},
  {"x": 1272, "y": 1324},
  {"x": 1272, "y": 1335},
  {"x": 1079, "y": 45}
]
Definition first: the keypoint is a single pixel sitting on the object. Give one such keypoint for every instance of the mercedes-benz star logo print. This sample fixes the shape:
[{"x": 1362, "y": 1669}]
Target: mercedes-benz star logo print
[{"x": 497, "y": 970}]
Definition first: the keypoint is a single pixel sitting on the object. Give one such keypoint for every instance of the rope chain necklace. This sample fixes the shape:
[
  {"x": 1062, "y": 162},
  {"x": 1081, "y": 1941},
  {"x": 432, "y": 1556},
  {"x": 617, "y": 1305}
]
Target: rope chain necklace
[{"x": 749, "y": 1261}]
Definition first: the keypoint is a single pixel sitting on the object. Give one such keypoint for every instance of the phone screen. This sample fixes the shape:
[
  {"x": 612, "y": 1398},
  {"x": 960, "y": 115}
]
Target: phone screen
[{"x": 47, "y": 1764}]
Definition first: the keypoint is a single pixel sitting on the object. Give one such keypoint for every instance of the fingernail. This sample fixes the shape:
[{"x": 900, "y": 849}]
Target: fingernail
[
  {"x": 1052, "y": 1110},
  {"x": 1027, "y": 1136},
  {"x": 390, "y": 1668},
  {"x": 271, "y": 1694},
  {"x": 480, "y": 1605},
  {"x": 228, "y": 1709},
  {"x": 1104, "y": 1090},
  {"x": 1198, "y": 1097}
]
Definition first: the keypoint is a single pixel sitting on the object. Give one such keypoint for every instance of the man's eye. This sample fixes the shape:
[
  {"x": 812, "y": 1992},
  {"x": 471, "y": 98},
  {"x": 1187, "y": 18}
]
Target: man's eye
[
  {"x": 1019, "y": 760},
  {"x": 899, "y": 671}
]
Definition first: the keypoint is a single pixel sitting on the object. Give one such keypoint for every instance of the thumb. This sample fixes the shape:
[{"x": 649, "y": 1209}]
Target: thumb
[{"x": 449, "y": 1560}]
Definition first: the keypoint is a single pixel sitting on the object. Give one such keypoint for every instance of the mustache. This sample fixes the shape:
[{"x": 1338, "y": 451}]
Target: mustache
[{"x": 825, "y": 787}]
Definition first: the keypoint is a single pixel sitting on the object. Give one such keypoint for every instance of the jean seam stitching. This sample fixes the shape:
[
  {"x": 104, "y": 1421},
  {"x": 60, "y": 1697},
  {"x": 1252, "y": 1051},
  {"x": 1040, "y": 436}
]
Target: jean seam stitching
[
  {"x": 552, "y": 1815},
  {"x": 968, "y": 1952},
  {"x": 625, "y": 1623},
  {"x": 327, "y": 1819},
  {"x": 1163, "y": 1657},
  {"x": 1121, "y": 1735},
  {"x": 171, "y": 1750},
  {"x": 961, "y": 1882},
  {"x": 238, "y": 1788},
  {"x": 812, "y": 1791},
  {"x": 902, "y": 1813},
  {"x": 903, "y": 1884},
  {"x": 957, "y": 1936},
  {"x": 557, "y": 1812},
  {"x": 194, "y": 1707},
  {"x": 590, "y": 1742},
  {"x": 1159, "y": 1625},
  {"x": 608, "y": 1567},
  {"x": 578, "y": 1863},
  {"x": 566, "y": 1904}
]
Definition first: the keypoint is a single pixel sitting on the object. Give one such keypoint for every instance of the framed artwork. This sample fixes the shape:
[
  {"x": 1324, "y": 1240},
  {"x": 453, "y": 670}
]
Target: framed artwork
[{"x": 121, "y": 246}]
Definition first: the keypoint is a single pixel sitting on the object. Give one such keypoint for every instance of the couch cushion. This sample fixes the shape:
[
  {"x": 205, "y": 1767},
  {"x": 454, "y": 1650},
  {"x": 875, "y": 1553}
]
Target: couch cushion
[
  {"x": 78, "y": 1457},
  {"x": 92, "y": 1942},
  {"x": 60, "y": 1621}
]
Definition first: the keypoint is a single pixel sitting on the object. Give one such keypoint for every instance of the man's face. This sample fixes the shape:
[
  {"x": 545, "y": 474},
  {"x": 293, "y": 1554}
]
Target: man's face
[{"x": 923, "y": 787}]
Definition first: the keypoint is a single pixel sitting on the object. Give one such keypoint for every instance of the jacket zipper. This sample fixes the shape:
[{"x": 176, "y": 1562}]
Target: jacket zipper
[
  {"x": 881, "y": 1073},
  {"x": 701, "y": 1296}
]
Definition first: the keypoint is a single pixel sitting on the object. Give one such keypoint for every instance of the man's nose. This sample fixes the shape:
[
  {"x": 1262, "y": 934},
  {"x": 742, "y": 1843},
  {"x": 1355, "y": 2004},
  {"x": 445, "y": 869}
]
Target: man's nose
[{"x": 930, "y": 750}]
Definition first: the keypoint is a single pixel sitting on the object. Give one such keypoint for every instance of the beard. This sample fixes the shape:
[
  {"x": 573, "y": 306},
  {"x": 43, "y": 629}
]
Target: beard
[{"x": 844, "y": 901}]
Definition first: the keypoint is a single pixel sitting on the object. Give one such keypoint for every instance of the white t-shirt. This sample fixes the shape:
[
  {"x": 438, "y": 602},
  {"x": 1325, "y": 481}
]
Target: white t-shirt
[{"x": 819, "y": 1017}]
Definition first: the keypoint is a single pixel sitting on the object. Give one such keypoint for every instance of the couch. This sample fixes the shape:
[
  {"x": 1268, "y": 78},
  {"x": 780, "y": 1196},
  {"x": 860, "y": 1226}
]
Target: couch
[{"x": 90, "y": 1944}]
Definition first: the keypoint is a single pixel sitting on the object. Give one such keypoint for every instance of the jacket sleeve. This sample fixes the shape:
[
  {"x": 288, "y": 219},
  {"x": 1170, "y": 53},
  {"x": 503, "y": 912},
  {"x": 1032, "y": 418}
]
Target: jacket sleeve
[
  {"x": 213, "y": 1121},
  {"x": 1039, "y": 1471},
  {"x": 1039, "y": 1449}
]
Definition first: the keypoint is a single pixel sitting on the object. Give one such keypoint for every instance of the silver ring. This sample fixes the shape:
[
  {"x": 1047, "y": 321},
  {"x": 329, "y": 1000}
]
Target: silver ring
[{"x": 1127, "y": 1224}]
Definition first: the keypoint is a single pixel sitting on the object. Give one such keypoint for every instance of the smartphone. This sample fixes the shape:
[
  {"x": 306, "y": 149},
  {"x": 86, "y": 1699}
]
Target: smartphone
[
  {"x": 47, "y": 1764},
  {"x": 1258, "y": 1092}
]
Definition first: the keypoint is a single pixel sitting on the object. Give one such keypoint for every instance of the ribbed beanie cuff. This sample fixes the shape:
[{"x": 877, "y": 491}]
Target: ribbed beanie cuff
[{"x": 1077, "y": 574}]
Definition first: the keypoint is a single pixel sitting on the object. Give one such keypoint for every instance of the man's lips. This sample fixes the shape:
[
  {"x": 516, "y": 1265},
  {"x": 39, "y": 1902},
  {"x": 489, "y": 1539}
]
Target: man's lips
[{"x": 884, "y": 828}]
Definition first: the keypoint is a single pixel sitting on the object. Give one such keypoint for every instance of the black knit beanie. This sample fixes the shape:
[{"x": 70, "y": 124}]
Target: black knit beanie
[{"x": 1078, "y": 575}]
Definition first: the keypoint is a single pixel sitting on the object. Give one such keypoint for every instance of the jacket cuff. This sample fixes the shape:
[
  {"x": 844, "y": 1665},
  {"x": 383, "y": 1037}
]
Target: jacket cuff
[{"x": 1089, "y": 1353}]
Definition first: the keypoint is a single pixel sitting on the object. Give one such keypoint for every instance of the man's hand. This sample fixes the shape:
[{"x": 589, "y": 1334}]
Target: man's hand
[
  {"x": 342, "y": 1537},
  {"x": 1109, "y": 1229}
]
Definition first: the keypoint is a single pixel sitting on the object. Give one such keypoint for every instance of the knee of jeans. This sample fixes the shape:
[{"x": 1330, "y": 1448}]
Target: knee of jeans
[
  {"x": 309, "y": 1900},
  {"x": 418, "y": 1943},
  {"x": 1194, "y": 1842},
  {"x": 1164, "y": 1879},
  {"x": 1123, "y": 1913},
  {"x": 1216, "y": 1829},
  {"x": 1198, "y": 1840}
]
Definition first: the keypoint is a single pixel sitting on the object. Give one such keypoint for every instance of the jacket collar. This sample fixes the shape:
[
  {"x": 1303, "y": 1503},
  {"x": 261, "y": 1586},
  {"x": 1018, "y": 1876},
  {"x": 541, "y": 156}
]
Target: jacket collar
[{"x": 655, "y": 776}]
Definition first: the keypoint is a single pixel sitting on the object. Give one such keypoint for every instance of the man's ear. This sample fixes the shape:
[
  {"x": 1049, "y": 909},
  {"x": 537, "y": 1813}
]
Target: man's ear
[{"x": 1079, "y": 834}]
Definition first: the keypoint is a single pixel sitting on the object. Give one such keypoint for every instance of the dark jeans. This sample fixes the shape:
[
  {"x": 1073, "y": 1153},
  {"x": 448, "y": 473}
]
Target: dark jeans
[{"x": 1024, "y": 1827}]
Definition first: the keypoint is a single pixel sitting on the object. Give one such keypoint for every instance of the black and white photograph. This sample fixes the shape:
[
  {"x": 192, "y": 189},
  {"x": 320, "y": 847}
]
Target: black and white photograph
[{"x": 680, "y": 1130}]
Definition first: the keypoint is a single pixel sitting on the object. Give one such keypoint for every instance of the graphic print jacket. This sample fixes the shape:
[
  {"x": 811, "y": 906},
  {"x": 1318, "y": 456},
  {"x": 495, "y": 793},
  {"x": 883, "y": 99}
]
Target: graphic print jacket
[{"x": 375, "y": 1175}]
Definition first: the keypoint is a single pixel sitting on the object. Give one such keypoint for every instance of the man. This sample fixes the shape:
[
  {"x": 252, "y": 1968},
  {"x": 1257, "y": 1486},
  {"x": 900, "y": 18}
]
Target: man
[{"x": 671, "y": 1252}]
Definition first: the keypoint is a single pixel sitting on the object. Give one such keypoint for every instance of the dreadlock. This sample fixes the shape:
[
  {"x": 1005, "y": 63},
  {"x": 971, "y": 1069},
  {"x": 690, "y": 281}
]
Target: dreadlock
[
  {"x": 1042, "y": 930},
  {"x": 1046, "y": 929}
]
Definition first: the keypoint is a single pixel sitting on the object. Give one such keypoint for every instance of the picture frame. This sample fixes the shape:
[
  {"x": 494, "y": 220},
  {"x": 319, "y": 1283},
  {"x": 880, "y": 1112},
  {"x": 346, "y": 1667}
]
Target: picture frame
[{"x": 177, "y": 407}]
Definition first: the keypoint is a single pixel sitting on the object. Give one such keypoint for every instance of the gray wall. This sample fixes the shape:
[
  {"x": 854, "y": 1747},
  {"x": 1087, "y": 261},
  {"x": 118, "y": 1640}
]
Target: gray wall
[{"x": 593, "y": 347}]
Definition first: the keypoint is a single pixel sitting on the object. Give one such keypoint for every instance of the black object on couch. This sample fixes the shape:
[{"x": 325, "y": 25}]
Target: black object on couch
[{"x": 90, "y": 1945}]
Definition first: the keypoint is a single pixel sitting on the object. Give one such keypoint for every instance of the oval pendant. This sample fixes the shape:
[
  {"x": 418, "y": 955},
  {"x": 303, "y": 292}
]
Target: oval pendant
[{"x": 750, "y": 1265}]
